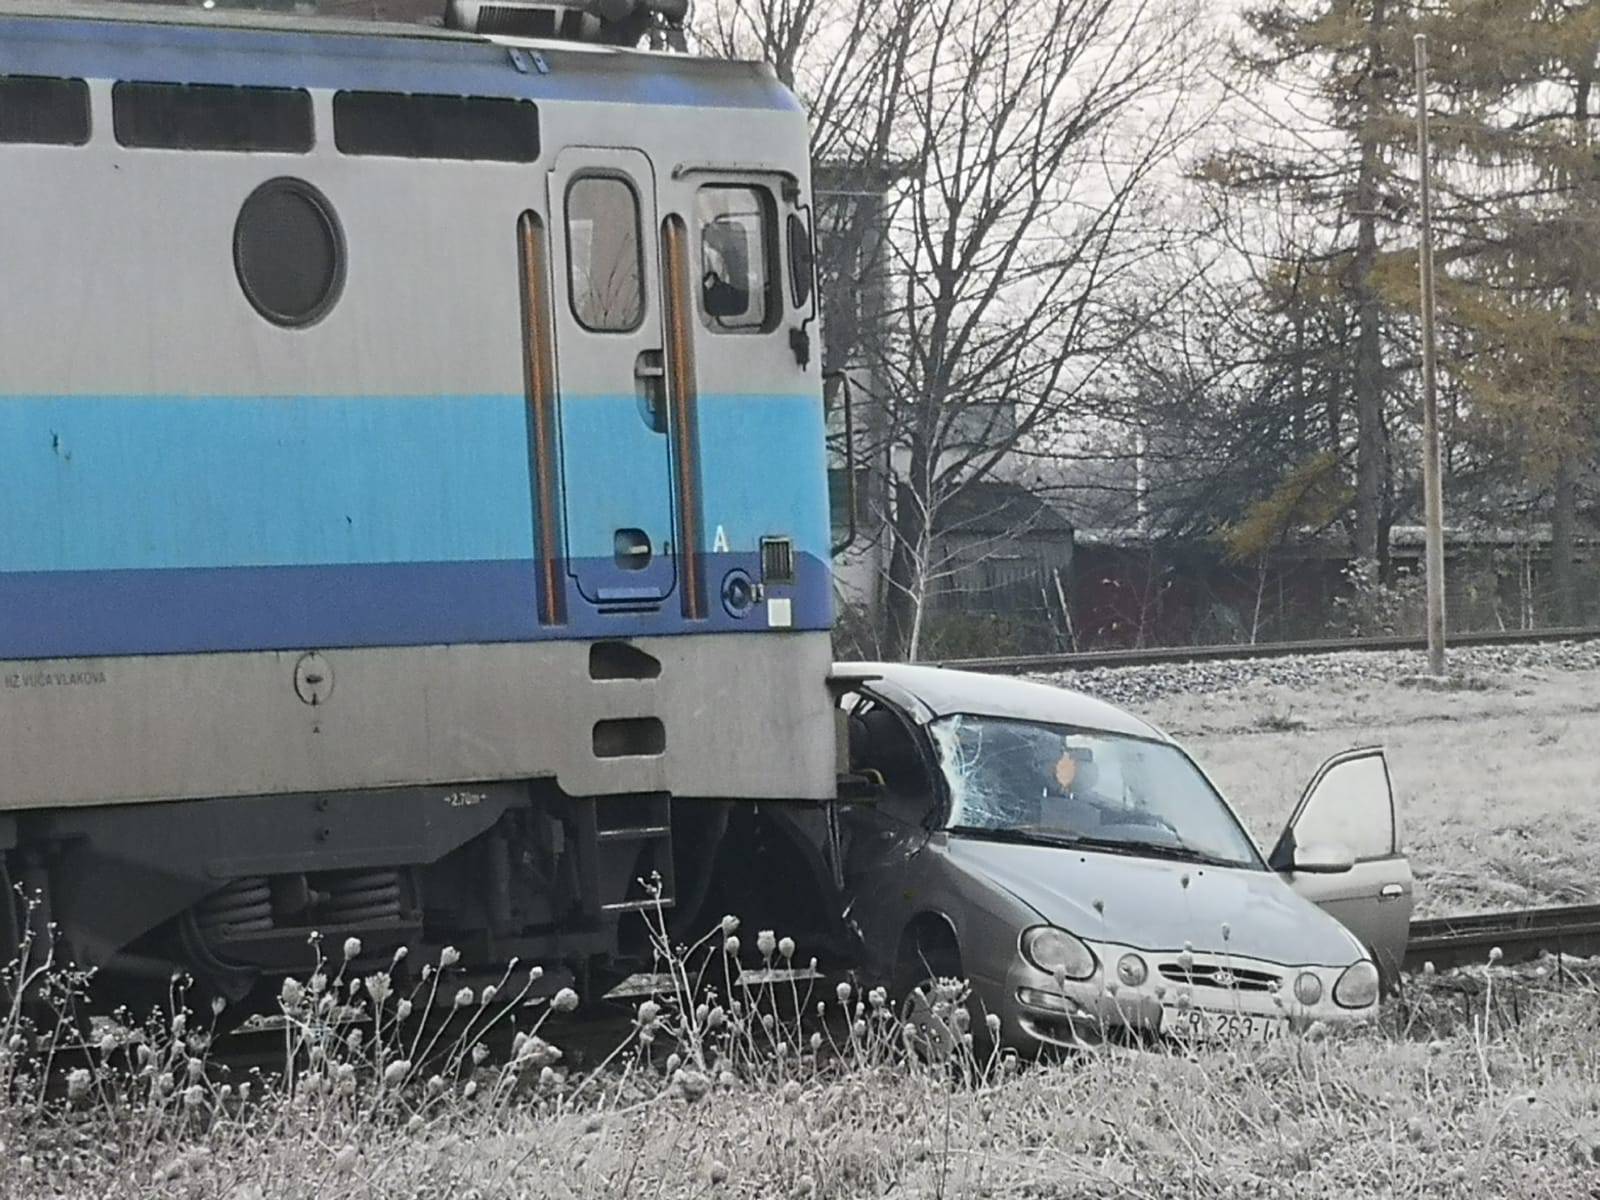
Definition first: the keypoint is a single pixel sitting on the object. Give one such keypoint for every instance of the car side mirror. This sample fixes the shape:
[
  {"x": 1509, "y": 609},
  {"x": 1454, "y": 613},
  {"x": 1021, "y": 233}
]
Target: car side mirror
[{"x": 1323, "y": 858}]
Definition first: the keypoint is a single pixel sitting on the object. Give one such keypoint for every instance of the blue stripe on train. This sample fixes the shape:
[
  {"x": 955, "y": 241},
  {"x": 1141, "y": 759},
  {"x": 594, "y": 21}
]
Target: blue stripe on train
[
  {"x": 84, "y": 614},
  {"x": 195, "y": 53},
  {"x": 98, "y": 483},
  {"x": 115, "y": 483},
  {"x": 134, "y": 525}
]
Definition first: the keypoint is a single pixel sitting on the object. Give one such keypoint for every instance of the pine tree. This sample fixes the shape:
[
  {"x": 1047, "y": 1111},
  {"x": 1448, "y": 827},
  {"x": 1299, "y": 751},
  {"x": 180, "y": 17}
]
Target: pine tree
[
  {"x": 1339, "y": 65},
  {"x": 1519, "y": 78}
]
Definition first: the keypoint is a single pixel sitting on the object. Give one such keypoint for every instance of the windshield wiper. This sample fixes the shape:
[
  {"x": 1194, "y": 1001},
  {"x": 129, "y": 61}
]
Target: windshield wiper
[
  {"x": 1035, "y": 836},
  {"x": 1045, "y": 837},
  {"x": 1019, "y": 837},
  {"x": 1178, "y": 851},
  {"x": 1174, "y": 850}
]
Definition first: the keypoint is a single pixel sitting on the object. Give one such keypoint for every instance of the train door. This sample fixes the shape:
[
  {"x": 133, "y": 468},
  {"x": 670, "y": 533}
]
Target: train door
[{"x": 615, "y": 452}]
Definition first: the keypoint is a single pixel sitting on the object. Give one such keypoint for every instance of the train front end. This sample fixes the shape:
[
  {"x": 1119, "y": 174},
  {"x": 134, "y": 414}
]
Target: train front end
[{"x": 411, "y": 457}]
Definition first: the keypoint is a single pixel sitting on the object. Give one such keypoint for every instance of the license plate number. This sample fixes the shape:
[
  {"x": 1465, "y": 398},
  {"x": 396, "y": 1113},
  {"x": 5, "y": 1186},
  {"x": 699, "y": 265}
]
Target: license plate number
[{"x": 1199, "y": 1025}]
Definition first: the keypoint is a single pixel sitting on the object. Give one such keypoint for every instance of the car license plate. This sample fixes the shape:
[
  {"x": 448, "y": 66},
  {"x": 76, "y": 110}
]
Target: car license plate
[{"x": 1202, "y": 1025}]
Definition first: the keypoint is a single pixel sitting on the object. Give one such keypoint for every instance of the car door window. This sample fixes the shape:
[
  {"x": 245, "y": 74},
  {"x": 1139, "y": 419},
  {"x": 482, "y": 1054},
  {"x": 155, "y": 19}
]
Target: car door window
[{"x": 1350, "y": 804}]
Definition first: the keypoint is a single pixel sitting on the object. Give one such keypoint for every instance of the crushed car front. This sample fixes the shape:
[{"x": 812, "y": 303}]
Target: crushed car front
[{"x": 1154, "y": 912}]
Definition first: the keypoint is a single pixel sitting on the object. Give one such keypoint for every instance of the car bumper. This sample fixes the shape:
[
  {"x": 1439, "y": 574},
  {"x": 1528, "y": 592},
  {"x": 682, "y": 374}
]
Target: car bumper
[{"x": 1185, "y": 996}]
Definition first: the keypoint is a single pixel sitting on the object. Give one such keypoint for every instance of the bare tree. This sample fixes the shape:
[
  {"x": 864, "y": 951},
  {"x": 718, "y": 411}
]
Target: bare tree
[
  {"x": 847, "y": 61},
  {"x": 1036, "y": 129}
]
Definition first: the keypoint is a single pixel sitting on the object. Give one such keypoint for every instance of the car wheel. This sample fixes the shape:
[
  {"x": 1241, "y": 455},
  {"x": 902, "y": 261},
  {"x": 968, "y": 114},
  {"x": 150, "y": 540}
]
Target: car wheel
[{"x": 932, "y": 994}]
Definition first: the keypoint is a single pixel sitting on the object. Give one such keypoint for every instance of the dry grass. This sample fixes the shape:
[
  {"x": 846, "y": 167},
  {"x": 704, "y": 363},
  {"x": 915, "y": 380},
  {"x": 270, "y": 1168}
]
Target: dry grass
[
  {"x": 1467, "y": 1096},
  {"x": 1497, "y": 783}
]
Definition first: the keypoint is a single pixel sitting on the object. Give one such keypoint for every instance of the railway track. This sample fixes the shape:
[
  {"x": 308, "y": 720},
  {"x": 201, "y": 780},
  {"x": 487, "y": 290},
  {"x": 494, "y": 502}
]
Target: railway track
[
  {"x": 1022, "y": 664},
  {"x": 1520, "y": 936},
  {"x": 583, "y": 1041}
]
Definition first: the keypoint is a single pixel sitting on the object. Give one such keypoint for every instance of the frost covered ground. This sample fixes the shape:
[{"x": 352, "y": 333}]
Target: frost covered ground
[
  {"x": 1497, "y": 774},
  {"x": 1487, "y": 1089}
]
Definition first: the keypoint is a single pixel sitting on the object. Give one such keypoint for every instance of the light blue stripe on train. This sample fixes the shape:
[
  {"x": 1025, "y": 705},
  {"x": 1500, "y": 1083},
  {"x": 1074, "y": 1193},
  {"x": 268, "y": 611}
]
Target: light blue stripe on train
[{"x": 119, "y": 482}]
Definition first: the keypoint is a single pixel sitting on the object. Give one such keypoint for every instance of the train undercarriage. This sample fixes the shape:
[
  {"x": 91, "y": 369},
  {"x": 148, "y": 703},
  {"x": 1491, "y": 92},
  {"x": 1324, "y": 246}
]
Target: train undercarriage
[{"x": 232, "y": 895}]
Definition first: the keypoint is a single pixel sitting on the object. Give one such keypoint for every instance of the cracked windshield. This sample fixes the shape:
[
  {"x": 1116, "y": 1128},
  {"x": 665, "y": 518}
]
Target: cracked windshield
[{"x": 1055, "y": 784}]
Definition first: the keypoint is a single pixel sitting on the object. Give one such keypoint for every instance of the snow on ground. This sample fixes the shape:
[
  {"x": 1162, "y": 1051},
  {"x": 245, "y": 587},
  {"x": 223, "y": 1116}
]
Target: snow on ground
[{"x": 1496, "y": 774}]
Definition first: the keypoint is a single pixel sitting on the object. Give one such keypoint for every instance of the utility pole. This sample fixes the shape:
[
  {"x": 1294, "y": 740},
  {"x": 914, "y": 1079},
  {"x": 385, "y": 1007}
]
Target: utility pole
[{"x": 1432, "y": 486}]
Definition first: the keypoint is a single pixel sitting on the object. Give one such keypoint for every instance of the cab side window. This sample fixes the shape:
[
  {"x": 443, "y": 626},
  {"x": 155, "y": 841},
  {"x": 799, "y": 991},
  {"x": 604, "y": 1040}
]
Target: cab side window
[
  {"x": 604, "y": 270},
  {"x": 738, "y": 258}
]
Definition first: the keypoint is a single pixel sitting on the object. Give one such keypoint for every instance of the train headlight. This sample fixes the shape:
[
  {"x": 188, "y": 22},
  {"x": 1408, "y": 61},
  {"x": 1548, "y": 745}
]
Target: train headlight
[
  {"x": 1307, "y": 988},
  {"x": 1057, "y": 952},
  {"x": 1358, "y": 986},
  {"x": 738, "y": 594}
]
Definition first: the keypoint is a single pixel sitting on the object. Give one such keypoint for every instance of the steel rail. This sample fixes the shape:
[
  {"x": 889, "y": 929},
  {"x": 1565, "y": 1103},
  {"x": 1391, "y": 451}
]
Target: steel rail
[
  {"x": 1519, "y": 935},
  {"x": 1019, "y": 664}
]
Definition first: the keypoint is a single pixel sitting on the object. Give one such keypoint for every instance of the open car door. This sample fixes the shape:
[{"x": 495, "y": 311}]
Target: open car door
[{"x": 1341, "y": 851}]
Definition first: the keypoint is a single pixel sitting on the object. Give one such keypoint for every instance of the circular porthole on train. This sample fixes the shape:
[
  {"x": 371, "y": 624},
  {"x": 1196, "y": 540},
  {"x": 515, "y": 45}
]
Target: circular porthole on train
[{"x": 288, "y": 252}]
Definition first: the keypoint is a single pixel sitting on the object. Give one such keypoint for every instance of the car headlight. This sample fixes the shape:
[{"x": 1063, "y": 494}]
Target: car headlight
[
  {"x": 1057, "y": 952},
  {"x": 1307, "y": 988},
  {"x": 1358, "y": 986},
  {"x": 1131, "y": 970}
]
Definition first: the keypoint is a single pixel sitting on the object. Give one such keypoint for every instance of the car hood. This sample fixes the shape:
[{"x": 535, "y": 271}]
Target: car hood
[{"x": 1159, "y": 905}]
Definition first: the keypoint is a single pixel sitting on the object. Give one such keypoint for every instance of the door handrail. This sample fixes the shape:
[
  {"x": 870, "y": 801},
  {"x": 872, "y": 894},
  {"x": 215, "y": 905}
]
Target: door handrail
[
  {"x": 683, "y": 398},
  {"x": 539, "y": 383}
]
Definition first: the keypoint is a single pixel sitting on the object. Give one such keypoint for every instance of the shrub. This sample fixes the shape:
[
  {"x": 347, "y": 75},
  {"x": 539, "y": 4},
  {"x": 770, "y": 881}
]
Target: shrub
[{"x": 1373, "y": 608}]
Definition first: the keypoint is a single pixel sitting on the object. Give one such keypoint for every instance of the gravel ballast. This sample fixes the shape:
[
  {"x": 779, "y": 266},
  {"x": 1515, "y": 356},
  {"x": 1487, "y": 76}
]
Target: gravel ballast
[{"x": 1468, "y": 667}]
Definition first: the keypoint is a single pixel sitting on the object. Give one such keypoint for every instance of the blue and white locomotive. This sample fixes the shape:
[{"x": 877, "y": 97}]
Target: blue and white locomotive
[{"x": 413, "y": 514}]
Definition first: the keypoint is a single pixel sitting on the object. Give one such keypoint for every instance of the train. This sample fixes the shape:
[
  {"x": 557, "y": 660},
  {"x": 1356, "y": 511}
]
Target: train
[{"x": 413, "y": 507}]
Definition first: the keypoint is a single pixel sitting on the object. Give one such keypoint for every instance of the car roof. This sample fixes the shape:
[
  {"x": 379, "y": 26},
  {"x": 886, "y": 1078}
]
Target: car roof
[{"x": 942, "y": 691}]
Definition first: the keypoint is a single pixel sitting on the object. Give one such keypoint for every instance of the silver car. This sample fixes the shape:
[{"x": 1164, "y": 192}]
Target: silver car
[{"x": 1077, "y": 868}]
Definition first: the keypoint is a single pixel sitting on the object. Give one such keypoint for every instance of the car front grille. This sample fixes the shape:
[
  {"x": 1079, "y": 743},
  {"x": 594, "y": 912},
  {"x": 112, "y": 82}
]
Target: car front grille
[{"x": 1203, "y": 974}]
